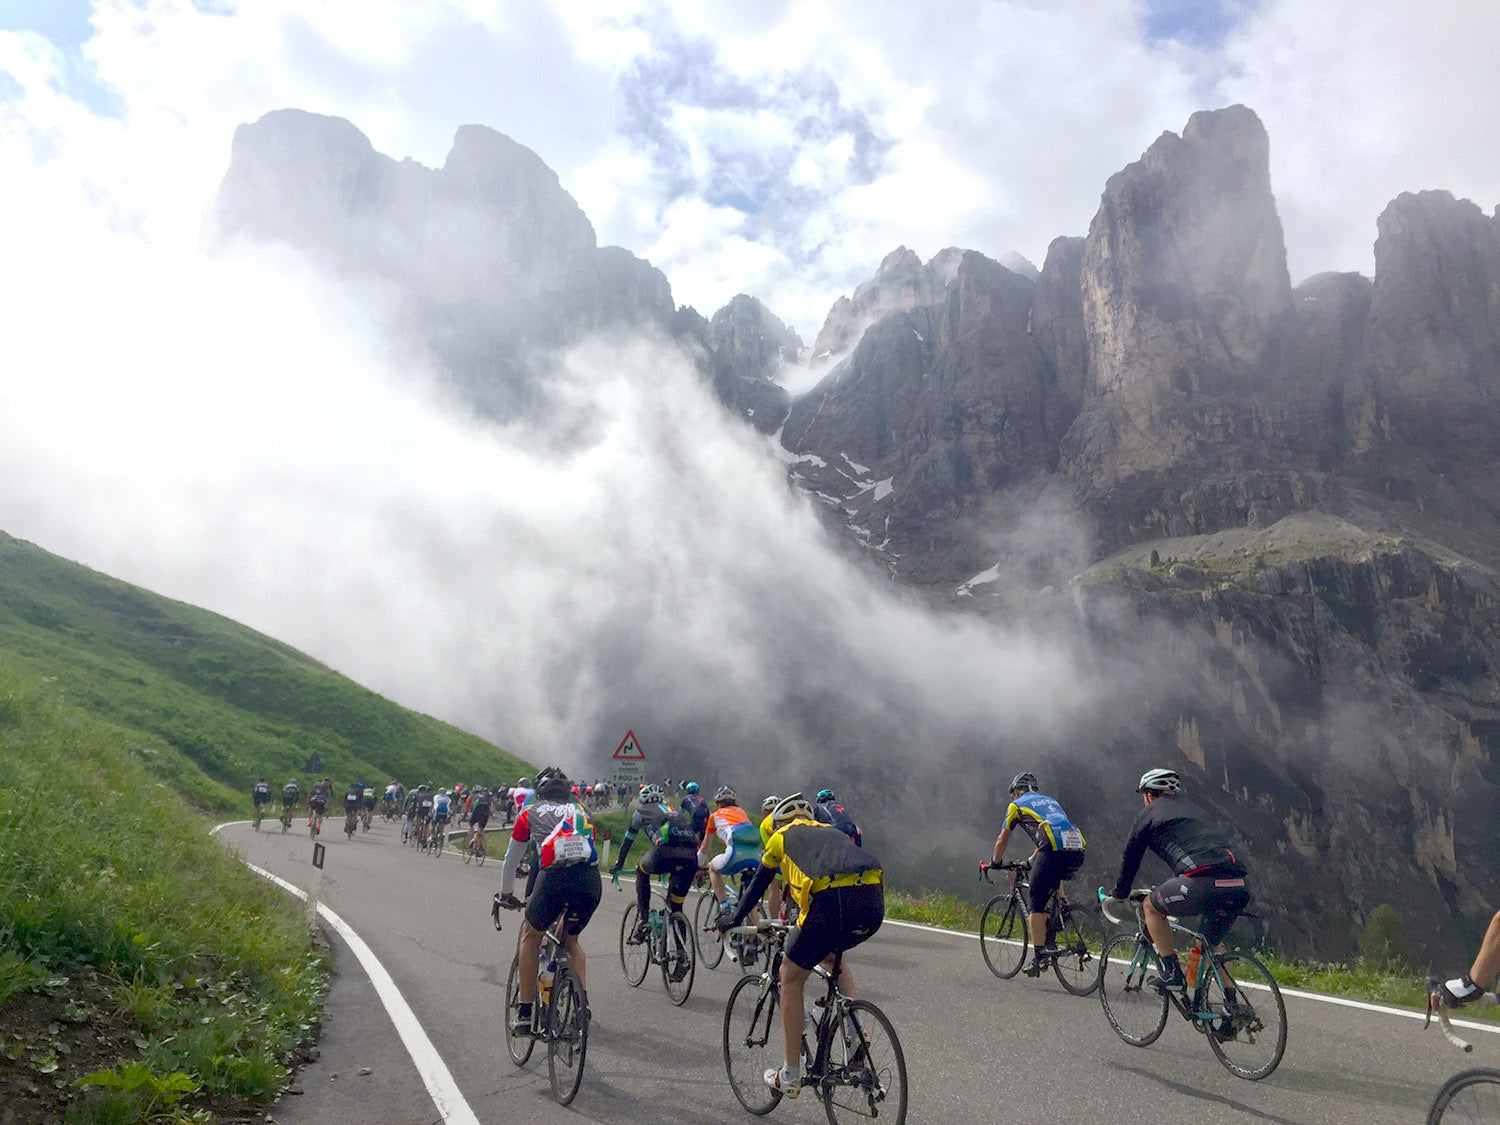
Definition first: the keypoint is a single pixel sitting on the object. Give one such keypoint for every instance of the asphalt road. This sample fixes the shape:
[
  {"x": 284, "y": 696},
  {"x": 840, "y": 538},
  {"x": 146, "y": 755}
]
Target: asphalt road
[{"x": 977, "y": 1048}]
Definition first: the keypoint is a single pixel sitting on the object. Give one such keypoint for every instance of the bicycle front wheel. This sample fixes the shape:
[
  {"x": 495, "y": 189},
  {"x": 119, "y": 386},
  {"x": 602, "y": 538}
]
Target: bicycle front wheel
[
  {"x": 567, "y": 1036},
  {"x": 864, "y": 1073},
  {"x": 634, "y": 959},
  {"x": 1074, "y": 964},
  {"x": 1250, "y": 1034},
  {"x": 1470, "y": 1095},
  {"x": 678, "y": 966},
  {"x": 710, "y": 946},
  {"x": 519, "y": 1046},
  {"x": 1136, "y": 1012},
  {"x": 1002, "y": 936},
  {"x": 752, "y": 1042}
]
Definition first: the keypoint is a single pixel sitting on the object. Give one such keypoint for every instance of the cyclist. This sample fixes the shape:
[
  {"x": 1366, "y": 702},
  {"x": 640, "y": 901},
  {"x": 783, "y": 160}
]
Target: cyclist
[
  {"x": 1462, "y": 990},
  {"x": 696, "y": 807},
  {"x": 742, "y": 848},
  {"x": 828, "y": 811},
  {"x": 367, "y": 792},
  {"x": 422, "y": 811},
  {"x": 317, "y": 802},
  {"x": 568, "y": 881},
  {"x": 840, "y": 895},
  {"x": 479, "y": 815},
  {"x": 442, "y": 809},
  {"x": 520, "y": 793},
  {"x": 291, "y": 793},
  {"x": 354, "y": 800},
  {"x": 260, "y": 794},
  {"x": 672, "y": 852},
  {"x": 1056, "y": 859},
  {"x": 778, "y": 885},
  {"x": 1208, "y": 878}
]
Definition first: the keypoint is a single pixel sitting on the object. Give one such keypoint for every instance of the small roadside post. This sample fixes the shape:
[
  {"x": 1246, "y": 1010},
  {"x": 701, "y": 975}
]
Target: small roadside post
[{"x": 315, "y": 884}]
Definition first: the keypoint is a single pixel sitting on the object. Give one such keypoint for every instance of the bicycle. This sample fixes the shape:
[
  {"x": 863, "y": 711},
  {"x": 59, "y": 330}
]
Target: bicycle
[
  {"x": 1470, "y": 1095},
  {"x": 1248, "y": 1037},
  {"x": 314, "y": 823},
  {"x": 474, "y": 849},
  {"x": 1004, "y": 935},
  {"x": 286, "y": 819},
  {"x": 743, "y": 950},
  {"x": 351, "y": 825},
  {"x": 669, "y": 943},
  {"x": 435, "y": 840},
  {"x": 364, "y": 819},
  {"x": 559, "y": 1015},
  {"x": 851, "y": 1056}
]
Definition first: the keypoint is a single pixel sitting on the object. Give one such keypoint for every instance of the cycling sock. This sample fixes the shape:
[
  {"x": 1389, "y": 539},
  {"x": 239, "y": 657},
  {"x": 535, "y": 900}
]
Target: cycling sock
[{"x": 791, "y": 1075}]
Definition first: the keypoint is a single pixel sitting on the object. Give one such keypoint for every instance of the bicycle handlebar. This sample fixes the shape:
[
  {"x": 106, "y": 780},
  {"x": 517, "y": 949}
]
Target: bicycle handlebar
[
  {"x": 985, "y": 867},
  {"x": 1139, "y": 895},
  {"x": 1435, "y": 1004}
]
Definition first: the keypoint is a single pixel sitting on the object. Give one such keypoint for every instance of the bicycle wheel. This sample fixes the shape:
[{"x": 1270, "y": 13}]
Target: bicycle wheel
[
  {"x": 1470, "y": 1095},
  {"x": 752, "y": 1042},
  {"x": 1250, "y": 1035},
  {"x": 1136, "y": 1012},
  {"x": 634, "y": 959},
  {"x": 519, "y": 1046},
  {"x": 1002, "y": 936},
  {"x": 479, "y": 852},
  {"x": 437, "y": 844},
  {"x": 678, "y": 967},
  {"x": 864, "y": 1073},
  {"x": 1074, "y": 964},
  {"x": 468, "y": 853},
  {"x": 257, "y": 818},
  {"x": 710, "y": 947},
  {"x": 567, "y": 1036}
]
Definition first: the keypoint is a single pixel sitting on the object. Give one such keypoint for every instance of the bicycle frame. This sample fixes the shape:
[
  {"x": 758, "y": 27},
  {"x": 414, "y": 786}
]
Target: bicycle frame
[{"x": 1188, "y": 1007}]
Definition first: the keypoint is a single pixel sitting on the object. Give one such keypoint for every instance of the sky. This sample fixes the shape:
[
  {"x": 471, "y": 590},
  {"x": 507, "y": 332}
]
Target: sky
[{"x": 244, "y": 434}]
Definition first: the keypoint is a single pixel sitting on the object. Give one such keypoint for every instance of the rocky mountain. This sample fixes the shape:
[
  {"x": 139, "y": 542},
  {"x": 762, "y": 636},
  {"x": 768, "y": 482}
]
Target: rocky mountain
[{"x": 1266, "y": 512}]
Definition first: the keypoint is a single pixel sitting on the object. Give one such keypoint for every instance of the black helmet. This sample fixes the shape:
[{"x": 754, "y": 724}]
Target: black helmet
[
  {"x": 1026, "y": 782},
  {"x": 553, "y": 785}
]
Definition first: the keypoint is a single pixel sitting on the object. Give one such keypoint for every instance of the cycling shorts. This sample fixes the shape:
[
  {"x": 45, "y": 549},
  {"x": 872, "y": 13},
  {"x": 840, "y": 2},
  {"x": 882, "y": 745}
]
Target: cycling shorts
[
  {"x": 736, "y": 861},
  {"x": 837, "y": 919},
  {"x": 1219, "y": 898},
  {"x": 1048, "y": 872},
  {"x": 575, "y": 888},
  {"x": 480, "y": 817},
  {"x": 678, "y": 864}
]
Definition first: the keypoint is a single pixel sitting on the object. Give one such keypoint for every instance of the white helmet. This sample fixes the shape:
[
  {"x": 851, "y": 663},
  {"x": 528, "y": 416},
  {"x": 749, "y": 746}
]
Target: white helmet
[
  {"x": 1159, "y": 781},
  {"x": 652, "y": 794},
  {"x": 769, "y": 803},
  {"x": 790, "y": 808}
]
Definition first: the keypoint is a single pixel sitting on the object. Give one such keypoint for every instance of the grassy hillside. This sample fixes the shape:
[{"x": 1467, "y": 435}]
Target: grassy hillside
[{"x": 217, "y": 704}]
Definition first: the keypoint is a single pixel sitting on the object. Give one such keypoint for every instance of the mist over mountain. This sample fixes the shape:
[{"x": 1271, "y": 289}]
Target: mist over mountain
[{"x": 1150, "y": 505}]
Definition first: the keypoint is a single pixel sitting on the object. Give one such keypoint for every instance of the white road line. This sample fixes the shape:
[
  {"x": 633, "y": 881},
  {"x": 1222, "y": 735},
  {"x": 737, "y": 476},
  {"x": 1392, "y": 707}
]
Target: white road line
[
  {"x": 451, "y": 1106},
  {"x": 1321, "y": 998}
]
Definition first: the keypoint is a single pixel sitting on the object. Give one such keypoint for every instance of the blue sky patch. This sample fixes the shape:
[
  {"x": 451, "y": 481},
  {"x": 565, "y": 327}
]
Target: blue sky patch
[{"x": 1196, "y": 23}]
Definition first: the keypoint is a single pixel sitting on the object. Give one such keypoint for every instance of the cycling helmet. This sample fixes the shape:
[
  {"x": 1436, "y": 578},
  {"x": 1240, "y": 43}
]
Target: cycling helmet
[
  {"x": 1159, "y": 781},
  {"x": 769, "y": 803},
  {"x": 1026, "y": 782},
  {"x": 791, "y": 808},
  {"x": 690, "y": 787},
  {"x": 524, "y": 783},
  {"x": 652, "y": 794},
  {"x": 726, "y": 795},
  {"x": 292, "y": 781},
  {"x": 825, "y": 795},
  {"x": 554, "y": 787}
]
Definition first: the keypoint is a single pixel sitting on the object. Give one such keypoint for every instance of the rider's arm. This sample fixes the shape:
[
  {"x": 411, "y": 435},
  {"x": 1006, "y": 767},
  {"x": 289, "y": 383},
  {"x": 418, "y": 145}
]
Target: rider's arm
[
  {"x": 1135, "y": 851},
  {"x": 520, "y": 839},
  {"x": 626, "y": 841},
  {"x": 751, "y": 897}
]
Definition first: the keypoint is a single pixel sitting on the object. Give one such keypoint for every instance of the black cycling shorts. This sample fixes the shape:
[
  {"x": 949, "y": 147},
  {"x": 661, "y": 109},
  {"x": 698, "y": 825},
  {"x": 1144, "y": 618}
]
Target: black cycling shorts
[
  {"x": 480, "y": 816},
  {"x": 678, "y": 864},
  {"x": 575, "y": 888},
  {"x": 837, "y": 919},
  {"x": 1219, "y": 898},
  {"x": 1048, "y": 872}
]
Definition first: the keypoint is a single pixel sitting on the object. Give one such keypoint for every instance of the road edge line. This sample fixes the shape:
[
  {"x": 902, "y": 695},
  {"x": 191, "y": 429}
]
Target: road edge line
[{"x": 452, "y": 1108}]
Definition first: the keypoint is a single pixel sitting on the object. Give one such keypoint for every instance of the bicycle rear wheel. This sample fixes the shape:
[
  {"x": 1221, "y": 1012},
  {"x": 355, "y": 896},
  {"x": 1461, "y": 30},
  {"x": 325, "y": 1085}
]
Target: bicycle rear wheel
[
  {"x": 1469, "y": 1096},
  {"x": 1250, "y": 1035},
  {"x": 678, "y": 967},
  {"x": 1136, "y": 1012},
  {"x": 567, "y": 1036},
  {"x": 710, "y": 947},
  {"x": 864, "y": 1074},
  {"x": 634, "y": 959},
  {"x": 1074, "y": 964},
  {"x": 519, "y": 1046},
  {"x": 1002, "y": 936},
  {"x": 479, "y": 851},
  {"x": 752, "y": 1042}
]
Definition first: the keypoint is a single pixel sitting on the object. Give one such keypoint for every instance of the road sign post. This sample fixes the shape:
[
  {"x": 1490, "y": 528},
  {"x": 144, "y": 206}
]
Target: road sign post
[{"x": 628, "y": 762}]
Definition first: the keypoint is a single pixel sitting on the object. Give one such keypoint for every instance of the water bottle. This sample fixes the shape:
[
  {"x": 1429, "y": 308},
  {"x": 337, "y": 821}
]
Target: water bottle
[{"x": 549, "y": 970}]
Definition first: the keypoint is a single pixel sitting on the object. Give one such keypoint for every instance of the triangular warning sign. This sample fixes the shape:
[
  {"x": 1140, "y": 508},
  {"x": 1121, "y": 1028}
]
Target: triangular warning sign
[{"x": 629, "y": 749}]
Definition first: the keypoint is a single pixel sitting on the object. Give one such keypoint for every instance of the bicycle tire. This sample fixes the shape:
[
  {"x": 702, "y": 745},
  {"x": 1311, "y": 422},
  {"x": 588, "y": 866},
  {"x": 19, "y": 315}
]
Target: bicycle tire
[
  {"x": 567, "y": 1036},
  {"x": 479, "y": 853},
  {"x": 1074, "y": 963},
  {"x": 518, "y": 1046},
  {"x": 1255, "y": 1048},
  {"x": 679, "y": 960},
  {"x": 860, "y": 1088},
  {"x": 635, "y": 960},
  {"x": 1470, "y": 1095},
  {"x": 257, "y": 818},
  {"x": 436, "y": 847},
  {"x": 1136, "y": 1012},
  {"x": 752, "y": 1043},
  {"x": 710, "y": 946},
  {"x": 1003, "y": 937}
]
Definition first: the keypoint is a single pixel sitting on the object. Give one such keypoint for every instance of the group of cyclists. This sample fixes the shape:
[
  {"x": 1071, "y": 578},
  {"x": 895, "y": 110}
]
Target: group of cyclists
[{"x": 359, "y": 802}]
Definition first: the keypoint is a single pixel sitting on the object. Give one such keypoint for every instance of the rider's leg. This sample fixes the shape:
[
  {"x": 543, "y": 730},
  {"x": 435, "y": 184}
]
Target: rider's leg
[
  {"x": 793, "y": 983},
  {"x": 1160, "y": 930},
  {"x": 529, "y": 953},
  {"x": 1487, "y": 960},
  {"x": 577, "y": 960}
]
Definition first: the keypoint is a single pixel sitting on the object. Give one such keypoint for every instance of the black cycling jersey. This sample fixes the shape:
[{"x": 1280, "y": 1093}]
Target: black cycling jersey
[
  {"x": 834, "y": 814},
  {"x": 1183, "y": 835}
]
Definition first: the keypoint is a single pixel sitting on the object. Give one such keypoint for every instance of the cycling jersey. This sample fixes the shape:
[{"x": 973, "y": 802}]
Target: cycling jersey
[
  {"x": 697, "y": 810},
  {"x": 441, "y": 806},
  {"x": 353, "y": 799},
  {"x": 1181, "y": 834},
  {"x": 261, "y": 793},
  {"x": 290, "y": 794},
  {"x": 742, "y": 847},
  {"x": 813, "y": 857},
  {"x": 663, "y": 825},
  {"x": 562, "y": 832},
  {"x": 1045, "y": 822},
  {"x": 836, "y": 816}
]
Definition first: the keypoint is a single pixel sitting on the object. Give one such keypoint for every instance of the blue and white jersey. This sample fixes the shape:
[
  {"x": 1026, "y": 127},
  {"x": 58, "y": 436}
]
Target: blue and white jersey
[
  {"x": 1045, "y": 822},
  {"x": 441, "y": 804}
]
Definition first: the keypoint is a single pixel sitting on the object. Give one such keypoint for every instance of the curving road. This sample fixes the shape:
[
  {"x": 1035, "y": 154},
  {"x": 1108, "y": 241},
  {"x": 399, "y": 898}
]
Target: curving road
[{"x": 977, "y": 1048}]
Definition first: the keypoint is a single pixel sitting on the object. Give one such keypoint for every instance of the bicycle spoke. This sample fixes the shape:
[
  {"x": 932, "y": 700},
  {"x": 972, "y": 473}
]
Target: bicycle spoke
[
  {"x": 1002, "y": 936},
  {"x": 634, "y": 959},
  {"x": 865, "y": 1074},
  {"x": 752, "y": 1042},
  {"x": 567, "y": 1038},
  {"x": 1469, "y": 1096},
  {"x": 1136, "y": 1011},
  {"x": 1075, "y": 964},
  {"x": 1248, "y": 1028},
  {"x": 677, "y": 966},
  {"x": 519, "y": 1046}
]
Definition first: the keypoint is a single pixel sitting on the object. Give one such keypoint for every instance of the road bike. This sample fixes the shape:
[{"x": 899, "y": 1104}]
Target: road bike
[
  {"x": 474, "y": 849},
  {"x": 435, "y": 840},
  {"x": 259, "y": 813},
  {"x": 1470, "y": 1095},
  {"x": 560, "y": 1014},
  {"x": 851, "y": 1057},
  {"x": 286, "y": 819},
  {"x": 1231, "y": 999},
  {"x": 364, "y": 819},
  {"x": 351, "y": 824},
  {"x": 668, "y": 943},
  {"x": 1004, "y": 935},
  {"x": 314, "y": 822},
  {"x": 743, "y": 950}
]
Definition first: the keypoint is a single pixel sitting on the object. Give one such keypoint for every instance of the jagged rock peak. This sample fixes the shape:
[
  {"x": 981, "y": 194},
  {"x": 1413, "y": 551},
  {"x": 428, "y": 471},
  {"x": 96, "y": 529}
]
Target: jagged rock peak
[{"x": 750, "y": 346}]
